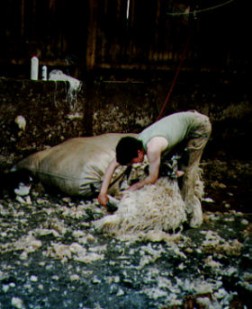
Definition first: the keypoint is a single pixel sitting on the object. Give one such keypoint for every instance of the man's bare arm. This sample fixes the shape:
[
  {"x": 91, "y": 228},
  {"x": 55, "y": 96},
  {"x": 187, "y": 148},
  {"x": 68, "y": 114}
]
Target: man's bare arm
[
  {"x": 103, "y": 197},
  {"x": 154, "y": 151}
]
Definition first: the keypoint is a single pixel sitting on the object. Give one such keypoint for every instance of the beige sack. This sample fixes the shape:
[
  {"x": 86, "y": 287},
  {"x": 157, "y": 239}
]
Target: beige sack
[{"x": 75, "y": 166}]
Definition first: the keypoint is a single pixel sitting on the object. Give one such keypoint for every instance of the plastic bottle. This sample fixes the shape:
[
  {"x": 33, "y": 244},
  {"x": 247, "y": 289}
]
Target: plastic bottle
[
  {"x": 34, "y": 68},
  {"x": 44, "y": 72}
]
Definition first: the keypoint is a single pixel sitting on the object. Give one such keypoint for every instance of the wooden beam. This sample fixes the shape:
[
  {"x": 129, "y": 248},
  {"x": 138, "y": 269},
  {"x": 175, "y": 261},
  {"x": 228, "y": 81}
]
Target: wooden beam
[{"x": 91, "y": 40}]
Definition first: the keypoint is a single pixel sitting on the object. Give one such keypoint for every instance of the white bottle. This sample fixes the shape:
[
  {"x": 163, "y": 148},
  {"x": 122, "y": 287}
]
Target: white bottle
[
  {"x": 34, "y": 68},
  {"x": 44, "y": 72}
]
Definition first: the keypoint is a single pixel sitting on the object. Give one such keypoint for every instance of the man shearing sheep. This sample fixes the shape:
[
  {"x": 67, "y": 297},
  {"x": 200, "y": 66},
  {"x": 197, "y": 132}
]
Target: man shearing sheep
[{"x": 156, "y": 142}]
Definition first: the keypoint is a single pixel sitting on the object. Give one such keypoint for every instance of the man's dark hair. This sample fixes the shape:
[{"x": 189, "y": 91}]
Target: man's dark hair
[{"x": 126, "y": 149}]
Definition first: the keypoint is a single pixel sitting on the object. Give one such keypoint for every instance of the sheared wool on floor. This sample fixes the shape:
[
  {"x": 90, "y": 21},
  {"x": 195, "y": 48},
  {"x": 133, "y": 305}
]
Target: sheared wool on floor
[{"x": 157, "y": 207}]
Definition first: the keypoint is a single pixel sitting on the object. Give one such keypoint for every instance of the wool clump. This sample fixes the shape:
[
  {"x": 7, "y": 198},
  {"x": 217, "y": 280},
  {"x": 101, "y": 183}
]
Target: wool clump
[{"x": 156, "y": 207}]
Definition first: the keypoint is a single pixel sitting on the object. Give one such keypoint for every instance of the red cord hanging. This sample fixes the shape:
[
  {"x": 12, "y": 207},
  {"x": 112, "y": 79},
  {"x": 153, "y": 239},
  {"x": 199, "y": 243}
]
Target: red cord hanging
[{"x": 174, "y": 80}]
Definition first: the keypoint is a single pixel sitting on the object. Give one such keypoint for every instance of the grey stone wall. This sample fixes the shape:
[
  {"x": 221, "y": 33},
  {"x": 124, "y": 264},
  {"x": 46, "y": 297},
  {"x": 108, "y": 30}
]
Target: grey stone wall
[{"x": 53, "y": 114}]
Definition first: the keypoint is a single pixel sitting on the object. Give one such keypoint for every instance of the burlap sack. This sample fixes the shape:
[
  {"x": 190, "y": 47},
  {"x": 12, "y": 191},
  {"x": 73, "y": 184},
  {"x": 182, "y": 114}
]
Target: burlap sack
[{"x": 75, "y": 166}]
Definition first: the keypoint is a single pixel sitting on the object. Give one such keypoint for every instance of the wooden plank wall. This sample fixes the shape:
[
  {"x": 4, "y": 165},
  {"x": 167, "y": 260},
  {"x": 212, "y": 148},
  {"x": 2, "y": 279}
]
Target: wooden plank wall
[
  {"x": 138, "y": 33},
  {"x": 127, "y": 34}
]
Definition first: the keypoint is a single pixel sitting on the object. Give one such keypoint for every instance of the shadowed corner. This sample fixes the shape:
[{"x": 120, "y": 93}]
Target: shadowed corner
[{"x": 13, "y": 181}]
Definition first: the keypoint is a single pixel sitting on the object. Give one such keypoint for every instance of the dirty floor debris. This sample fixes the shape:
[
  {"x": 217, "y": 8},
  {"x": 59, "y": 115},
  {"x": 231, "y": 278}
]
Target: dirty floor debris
[{"x": 52, "y": 257}]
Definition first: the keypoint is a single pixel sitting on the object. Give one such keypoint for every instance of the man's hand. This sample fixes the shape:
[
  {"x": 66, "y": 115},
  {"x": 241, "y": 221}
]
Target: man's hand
[
  {"x": 136, "y": 186},
  {"x": 103, "y": 199},
  {"x": 140, "y": 184}
]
